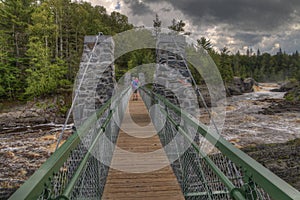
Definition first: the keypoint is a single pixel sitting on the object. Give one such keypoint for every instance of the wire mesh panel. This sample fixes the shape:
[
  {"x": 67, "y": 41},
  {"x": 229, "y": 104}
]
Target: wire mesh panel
[
  {"x": 195, "y": 168},
  {"x": 79, "y": 168}
]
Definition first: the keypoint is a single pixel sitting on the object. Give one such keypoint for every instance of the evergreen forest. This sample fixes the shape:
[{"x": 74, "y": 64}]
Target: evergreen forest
[{"x": 41, "y": 43}]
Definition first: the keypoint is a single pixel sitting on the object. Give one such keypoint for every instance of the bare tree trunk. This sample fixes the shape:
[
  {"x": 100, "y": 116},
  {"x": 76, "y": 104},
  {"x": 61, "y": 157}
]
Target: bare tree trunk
[
  {"x": 76, "y": 38},
  {"x": 16, "y": 41},
  {"x": 46, "y": 44},
  {"x": 61, "y": 39},
  {"x": 56, "y": 35}
]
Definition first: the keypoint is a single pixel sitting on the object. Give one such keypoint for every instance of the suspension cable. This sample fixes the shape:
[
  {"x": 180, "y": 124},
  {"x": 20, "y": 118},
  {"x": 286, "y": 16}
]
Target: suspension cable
[
  {"x": 197, "y": 89},
  {"x": 77, "y": 91}
]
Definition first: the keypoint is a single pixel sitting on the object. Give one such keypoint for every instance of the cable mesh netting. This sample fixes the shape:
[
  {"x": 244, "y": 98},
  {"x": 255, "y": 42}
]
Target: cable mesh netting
[
  {"x": 195, "y": 176},
  {"x": 91, "y": 157}
]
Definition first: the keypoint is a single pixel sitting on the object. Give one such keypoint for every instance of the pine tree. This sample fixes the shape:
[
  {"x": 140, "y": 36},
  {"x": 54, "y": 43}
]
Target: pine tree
[
  {"x": 157, "y": 24},
  {"x": 15, "y": 18},
  {"x": 205, "y": 44},
  {"x": 258, "y": 53},
  {"x": 248, "y": 52},
  {"x": 177, "y": 25},
  {"x": 225, "y": 67},
  {"x": 9, "y": 74}
]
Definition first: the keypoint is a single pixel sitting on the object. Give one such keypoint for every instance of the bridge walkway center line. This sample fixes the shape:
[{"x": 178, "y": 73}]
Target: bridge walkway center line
[{"x": 137, "y": 170}]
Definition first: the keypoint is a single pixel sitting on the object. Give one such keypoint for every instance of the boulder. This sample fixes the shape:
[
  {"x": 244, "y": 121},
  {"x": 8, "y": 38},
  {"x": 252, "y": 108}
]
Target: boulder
[
  {"x": 234, "y": 90},
  {"x": 240, "y": 86},
  {"x": 248, "y": 84},
  {"x": 287, "y": 86}
]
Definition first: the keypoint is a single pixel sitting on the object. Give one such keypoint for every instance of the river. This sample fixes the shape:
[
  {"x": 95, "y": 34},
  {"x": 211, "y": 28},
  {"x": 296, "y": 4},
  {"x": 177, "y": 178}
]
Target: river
[
  {"x": 246, "y": 125},
  {"x": 23, "y": 149}
]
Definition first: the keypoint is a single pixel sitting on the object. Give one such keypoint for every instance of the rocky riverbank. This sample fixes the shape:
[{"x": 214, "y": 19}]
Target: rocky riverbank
[
  {"x": 28, "y": 134},
  {"x": 237, "y": 86},
  {"x": 249, "y": 120},
  {"x": 267, "y": 127},
  {"x": 290, "y": 102},
  {"x": 43, "y": 111},
  {"x": 281, "y": 106},
  {"x": 281, "y": 158}
]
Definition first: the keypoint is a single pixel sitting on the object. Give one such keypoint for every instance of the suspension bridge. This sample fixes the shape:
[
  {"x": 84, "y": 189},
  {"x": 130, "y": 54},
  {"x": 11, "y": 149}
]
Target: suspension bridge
[{"x": 120, "y": 150}]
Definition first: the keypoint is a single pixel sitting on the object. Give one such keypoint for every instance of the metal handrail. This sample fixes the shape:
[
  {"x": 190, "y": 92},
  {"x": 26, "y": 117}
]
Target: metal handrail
[
  {"x": 35, "y": 185},
  {"x": 234, "y": 192},
  {"x": 84, "y": 161},
  {"x": 271, "y": 183}
]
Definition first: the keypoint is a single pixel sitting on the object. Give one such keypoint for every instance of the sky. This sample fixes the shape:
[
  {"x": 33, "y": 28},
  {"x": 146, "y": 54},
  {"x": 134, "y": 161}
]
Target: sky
[{"x": 237, "y": 24}]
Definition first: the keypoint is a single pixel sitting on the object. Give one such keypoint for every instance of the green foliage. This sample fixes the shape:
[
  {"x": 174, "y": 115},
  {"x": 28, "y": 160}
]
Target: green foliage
[
  {"x": 289, "y": 97},
  {"x": 140, "y": 57},
  {"x": 156, "y": 22},
  {"x": 41, "y": 43},
  {"x": 9, "y": 81},
  {"x": 205, "y": 44},
  {"x": 225, "y": 65},
  {"x": 262, "y": 67},
  {"x": 46, "y": 80},
  {"x": 177, "y": 25},
  {"x": 41, "y": 46},
  {"x": 15, "y": 17}
]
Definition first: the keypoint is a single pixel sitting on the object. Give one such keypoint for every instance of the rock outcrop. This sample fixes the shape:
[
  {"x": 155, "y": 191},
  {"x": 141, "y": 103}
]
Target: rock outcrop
[
  {"x": 287, "y": 86},
  {"x": 291, "y": 103},
  {"x": 293, "y": 95},
  {"x": 50, "y": 110},
  {"x": 240, "y": 86},
  {"x": 282, "y": 159}
]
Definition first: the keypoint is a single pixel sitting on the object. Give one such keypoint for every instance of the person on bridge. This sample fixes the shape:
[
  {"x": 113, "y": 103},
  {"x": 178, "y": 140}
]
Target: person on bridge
[{"x": 135, "y": 86}]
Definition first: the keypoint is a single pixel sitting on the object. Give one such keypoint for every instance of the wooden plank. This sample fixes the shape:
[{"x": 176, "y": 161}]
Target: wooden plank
[{"x": 156, "y": 184}]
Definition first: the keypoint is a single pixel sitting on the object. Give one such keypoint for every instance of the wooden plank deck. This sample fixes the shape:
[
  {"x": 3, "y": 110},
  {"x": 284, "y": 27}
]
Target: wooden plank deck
[{"x": 140, "y": 167}]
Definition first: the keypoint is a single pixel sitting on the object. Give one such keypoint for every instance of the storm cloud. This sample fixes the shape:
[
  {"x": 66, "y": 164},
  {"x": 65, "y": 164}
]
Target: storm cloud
[
  {"x": 244, "y": 14},
  {"x": 233, "y": 23},
  {"x": 138, "y": 7}
]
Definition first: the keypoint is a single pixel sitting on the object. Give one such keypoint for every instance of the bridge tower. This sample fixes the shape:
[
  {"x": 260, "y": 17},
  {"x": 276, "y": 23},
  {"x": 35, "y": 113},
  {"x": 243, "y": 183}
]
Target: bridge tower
[{"x": 94, "y": 86}]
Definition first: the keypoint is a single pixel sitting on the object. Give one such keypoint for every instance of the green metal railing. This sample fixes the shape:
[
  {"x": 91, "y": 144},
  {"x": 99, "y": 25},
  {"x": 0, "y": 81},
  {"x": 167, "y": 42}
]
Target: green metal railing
[
  {"x": 71, "y": 172},
  {"x": 250, "y": 181}
]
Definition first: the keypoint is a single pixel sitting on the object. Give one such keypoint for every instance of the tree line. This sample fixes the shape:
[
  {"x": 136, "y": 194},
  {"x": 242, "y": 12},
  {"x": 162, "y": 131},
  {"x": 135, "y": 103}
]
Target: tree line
[
  {"x": 41, "y": 45},
  {"x": 263, "y": 67}
]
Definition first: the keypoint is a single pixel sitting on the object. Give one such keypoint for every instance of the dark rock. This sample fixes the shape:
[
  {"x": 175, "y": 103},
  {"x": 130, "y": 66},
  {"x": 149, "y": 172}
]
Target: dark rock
[
  {"x": 248, "y": 84},
  {"x": 287, "y": 86},
  {"x": 240, "y": 86},
  {"x": 32, "y": 120},
  {"x": 281, "y": 107},
  {"x": 234, "y": 90},
  {"x": 283, "y": 159},
  {"x": 5, "y": 193},
  {"x": 291, "y": 103}
]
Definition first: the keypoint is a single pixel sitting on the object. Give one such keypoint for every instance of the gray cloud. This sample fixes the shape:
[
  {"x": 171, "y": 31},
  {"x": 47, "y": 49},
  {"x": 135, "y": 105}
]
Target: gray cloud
[
  {"x": 256, "y": 23},
  {"x": 138, "y": 7},
  {"x": 165, "y": 9},
  {"x": 250, "y": 38},
  {"x": 245, "y": 14}
]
